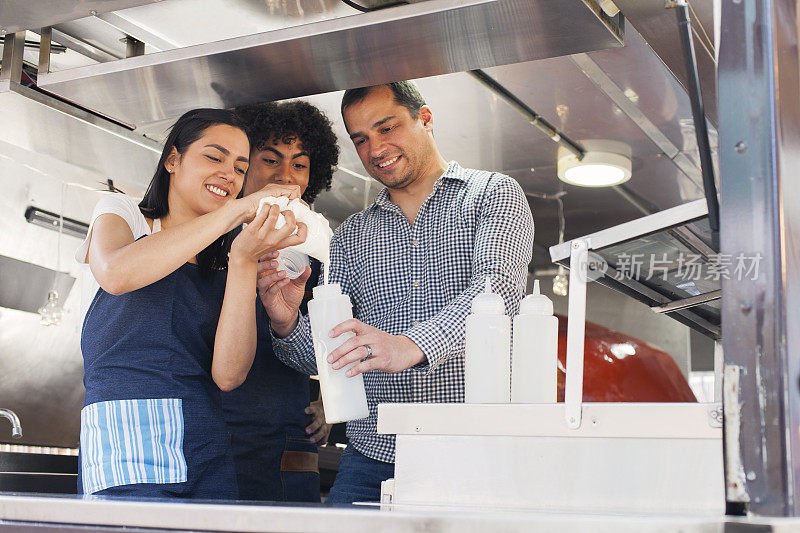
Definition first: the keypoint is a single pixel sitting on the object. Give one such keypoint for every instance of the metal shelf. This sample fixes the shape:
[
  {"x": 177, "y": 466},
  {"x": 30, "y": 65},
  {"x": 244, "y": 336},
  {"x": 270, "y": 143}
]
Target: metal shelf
[{"x": 665, "y": 261}]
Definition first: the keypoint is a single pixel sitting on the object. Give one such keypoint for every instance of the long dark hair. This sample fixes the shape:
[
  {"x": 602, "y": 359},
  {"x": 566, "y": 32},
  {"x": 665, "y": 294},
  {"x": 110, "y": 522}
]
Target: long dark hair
[{"x": 155, "y": 204}]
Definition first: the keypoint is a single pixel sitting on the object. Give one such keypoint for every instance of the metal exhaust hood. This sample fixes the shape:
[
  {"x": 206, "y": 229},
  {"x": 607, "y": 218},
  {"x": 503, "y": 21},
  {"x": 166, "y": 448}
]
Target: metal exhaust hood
[
  {"x": 404, "y": 42},
  {"x": 45, "y": 127}
]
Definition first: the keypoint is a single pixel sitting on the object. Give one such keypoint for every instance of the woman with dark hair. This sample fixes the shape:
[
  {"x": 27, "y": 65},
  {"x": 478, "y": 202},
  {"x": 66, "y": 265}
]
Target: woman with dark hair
[{"x": 172, "y": 315}]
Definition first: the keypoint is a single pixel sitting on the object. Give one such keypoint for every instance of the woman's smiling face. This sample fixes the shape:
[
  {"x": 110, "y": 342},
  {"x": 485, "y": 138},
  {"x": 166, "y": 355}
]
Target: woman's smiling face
[{"x": 211, "y": 171}]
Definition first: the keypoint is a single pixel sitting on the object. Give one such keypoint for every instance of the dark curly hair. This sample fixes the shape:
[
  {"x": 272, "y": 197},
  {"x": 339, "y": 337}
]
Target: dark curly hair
[{"x": 269, "y": 121}]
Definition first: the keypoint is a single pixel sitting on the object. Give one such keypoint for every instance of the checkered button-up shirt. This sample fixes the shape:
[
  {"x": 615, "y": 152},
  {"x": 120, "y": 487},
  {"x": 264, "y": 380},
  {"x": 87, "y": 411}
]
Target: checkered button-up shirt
[{"x": 419, "y": 281}]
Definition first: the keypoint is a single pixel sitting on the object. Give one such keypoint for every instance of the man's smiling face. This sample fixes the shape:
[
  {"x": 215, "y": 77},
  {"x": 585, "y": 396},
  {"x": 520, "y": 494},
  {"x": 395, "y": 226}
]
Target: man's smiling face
[{"x": 394, "y": 147}]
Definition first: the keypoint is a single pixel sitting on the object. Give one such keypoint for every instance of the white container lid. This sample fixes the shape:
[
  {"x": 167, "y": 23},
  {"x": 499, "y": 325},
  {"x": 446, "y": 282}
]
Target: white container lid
[
  {"x": 536, "y": 303},
  {"x": 330, "y": 290},
  {"x": 488, "y": 302}
]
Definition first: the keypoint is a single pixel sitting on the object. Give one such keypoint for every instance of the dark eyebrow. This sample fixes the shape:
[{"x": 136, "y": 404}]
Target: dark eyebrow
[
  {"x": 376, "y": 125},
  {"x": 274, "y": 151},
  {"x": 279, "y": 154},
  {"x": 220, "y": 148},
  {"x": 227, "y": 152}
]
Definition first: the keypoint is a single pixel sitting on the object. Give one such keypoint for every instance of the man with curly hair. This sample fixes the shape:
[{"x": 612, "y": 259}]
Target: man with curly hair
[{"x": 274, "y": 430}]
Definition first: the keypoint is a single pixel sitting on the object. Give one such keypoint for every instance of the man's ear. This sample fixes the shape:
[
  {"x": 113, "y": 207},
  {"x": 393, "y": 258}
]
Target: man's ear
[
  {"x": 425, "y": 115},
  {"x": 172, "y": 161}
]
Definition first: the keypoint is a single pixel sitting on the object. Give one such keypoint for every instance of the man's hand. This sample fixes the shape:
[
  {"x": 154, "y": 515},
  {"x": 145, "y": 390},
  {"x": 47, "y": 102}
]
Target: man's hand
[
  {"x": 280, "y": 296},
  {"x": 319, "y": 431},
  {"x": 390, "y": 353}
]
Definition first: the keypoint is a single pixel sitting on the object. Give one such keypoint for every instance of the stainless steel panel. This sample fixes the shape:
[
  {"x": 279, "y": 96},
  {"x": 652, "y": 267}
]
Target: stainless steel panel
[
  {"x": 25, "y": 285},
  {"x": 55, "y": 157},
  {"x": 88, "y": 53},
  {"x": 636, "y": 229},
  {"x": 16, "y": 15},
  {"x": 98, "y": 35},
  {"x": 49, "y": 127},
  {"x": 123, "y": 24},
  {"x": 18, "y": 512},
  {"x": 409, "y": 41},
  {"x": 13, "y": 50},
  {"x": 180, "y": 23},
  {"x": 760, "y": 154},
  {"x": 490, "y": 132},
  {"x": 624, "y": 100},
  {"x": 41, "y": 368},
  {"x": 659, "y": 28},
  {"x": 660, "y": 98}
]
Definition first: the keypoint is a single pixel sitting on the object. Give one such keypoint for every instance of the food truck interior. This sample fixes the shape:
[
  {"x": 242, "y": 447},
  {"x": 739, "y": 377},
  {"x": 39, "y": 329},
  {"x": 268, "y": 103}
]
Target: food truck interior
[{"x": 686, "y": 341}]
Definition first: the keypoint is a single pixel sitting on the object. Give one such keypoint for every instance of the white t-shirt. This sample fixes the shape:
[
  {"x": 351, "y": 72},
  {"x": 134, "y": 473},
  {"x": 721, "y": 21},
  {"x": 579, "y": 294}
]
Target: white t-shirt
[{"x": 120, "y": 205}]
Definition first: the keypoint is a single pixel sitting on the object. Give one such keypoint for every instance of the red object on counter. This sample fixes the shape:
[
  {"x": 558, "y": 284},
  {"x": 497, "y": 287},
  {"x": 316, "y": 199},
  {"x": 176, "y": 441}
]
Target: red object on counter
[{"x": 619, "y": 368}]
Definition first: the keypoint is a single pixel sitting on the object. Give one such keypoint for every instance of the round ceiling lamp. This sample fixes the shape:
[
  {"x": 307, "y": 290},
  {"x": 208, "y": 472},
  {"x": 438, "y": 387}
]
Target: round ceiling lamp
[{"x": 604, "y": 164}]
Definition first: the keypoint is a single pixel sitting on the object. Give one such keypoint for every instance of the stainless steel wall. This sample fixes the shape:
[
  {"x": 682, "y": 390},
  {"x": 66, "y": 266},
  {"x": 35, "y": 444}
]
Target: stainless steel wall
[
  {"x": 41, "y": 369},
  {"x": 759, "y": 83}
]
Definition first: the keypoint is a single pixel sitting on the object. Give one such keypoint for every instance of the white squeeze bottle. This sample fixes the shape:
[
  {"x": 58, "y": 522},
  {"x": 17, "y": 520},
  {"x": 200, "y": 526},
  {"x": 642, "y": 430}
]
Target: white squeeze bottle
[
  {"x": 487, "y": 359},
  {"x": 534, "y": 364},
  {"x": 344, "y": 397}
]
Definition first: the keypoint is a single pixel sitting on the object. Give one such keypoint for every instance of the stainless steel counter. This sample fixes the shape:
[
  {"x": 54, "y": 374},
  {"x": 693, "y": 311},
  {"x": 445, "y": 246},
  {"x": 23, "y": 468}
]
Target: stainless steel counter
[{"x": 30, "y": 513}]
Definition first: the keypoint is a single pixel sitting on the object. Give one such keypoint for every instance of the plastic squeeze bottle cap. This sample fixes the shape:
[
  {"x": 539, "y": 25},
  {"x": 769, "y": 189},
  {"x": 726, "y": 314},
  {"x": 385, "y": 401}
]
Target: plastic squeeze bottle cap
[
  {"x": 536, "y": 303},
  {"x": 488, "y": 302},
  {"x": 327, "y": 290}
]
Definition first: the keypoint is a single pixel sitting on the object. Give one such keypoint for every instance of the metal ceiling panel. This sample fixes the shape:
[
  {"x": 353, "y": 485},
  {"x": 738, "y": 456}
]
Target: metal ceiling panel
[
  {"x": 404, "y": 42},
  {"x": 659, "y": 27},
  {"x": 40, "y": 124},
  {"x": 190, "y": 22},
  {"x": 479, "y": 130},
  {"x": 16, "y": 15}
]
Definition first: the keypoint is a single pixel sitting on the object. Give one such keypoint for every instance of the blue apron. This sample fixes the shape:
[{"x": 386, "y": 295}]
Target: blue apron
[
  {"x": 274, "y": 458},
  {"x": 152, "y": 424}
]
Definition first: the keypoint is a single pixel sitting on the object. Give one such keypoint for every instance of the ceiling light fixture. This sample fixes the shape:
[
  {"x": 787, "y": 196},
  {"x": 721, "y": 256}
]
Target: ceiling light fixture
[
  {"x": 605, "y": 163},
  {"x": 56, "y": 222}
]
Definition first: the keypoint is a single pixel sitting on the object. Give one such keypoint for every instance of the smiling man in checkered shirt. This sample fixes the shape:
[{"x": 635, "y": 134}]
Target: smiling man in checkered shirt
[{"x": 411, "y": 263}]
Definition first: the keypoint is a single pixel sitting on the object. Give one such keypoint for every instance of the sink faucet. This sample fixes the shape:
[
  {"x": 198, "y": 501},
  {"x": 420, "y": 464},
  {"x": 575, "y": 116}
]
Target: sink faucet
[{"x": 16, "y": 427}]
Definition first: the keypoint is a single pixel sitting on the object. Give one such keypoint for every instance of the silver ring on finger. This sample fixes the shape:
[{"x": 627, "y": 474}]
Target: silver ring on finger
[{"x": 369, "y": 351}]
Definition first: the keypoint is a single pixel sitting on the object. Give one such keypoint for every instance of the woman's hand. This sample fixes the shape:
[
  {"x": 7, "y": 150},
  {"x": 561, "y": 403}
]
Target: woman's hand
[
  {"x": 249, "y": 204},
  {"x": 260, "y": 236}
]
